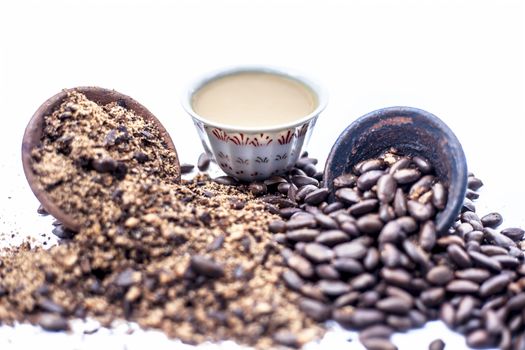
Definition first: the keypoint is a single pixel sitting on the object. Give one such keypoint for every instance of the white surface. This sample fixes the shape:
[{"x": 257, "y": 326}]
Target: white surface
[{"x": 461, "y": 60}]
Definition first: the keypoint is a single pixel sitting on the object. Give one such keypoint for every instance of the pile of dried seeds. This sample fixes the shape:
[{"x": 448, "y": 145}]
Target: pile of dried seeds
[
  {"x": 372, "y": 260},
  {"x": 194, "y": 260}
]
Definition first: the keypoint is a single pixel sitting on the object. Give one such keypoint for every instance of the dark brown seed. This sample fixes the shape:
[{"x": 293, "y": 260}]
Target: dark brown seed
[
  {"x": 497, "y": 238},
  {"x": 287, "y": 213},
  {"x": 507, "y": 261},
  {"x": 391, "y": 232},
  {"x": 446, "y": 241},
  {"x": 398, "y": 277},
  {"x": 370, "y": 223},
  {"x": 318, "y": 253},
  {"x": 400, "y": 203},
  {"x": 420, "y": 187},
  {"x": 363, "y": 207},
  {"x": 347, "y": 195},
  {"x": 416, "y": 253},
  {"x": 274, "y": 181},
  {"x": 517, "y": 302},
  {"x": 474, "y": 183},
  {"x": 315, "y": 309},
  {"x": 317, "y": 196},
  {"x": 332, "y": 207},
  {"x": 258, "y": 188},
  {"x": 371, "y": 259},
  {"x": 345, "y": 180},
  {"x": 326, "y": 221},
  {"x": 361, "y": 318},
  {"x": 471, "y": 194},
  {"x": 332, "y": 237},
  {"x": 368, "y": 298},
  {"x": 462, "y": 286},
  {"x": 362, "y": 282},
  {"x": 369, "y": 164},
  {"x": 313, "y": 292},
  {"x": 326, "y": 271},
  {"x": 465, "y": 309},
  {"x": 421, "y": 212},
  {"x": 400, "y": 164},
  {"x": 437, "y": 344},
  {"x": 485, "y": 261},
  {"x": 283, "y": 187},
  {"x": 390, "y": 255},
  {"x": 203, "y": 162},
  {"x": 468, "y": 205},
  {"x": 493, "y": 323},
  {"x": 407, "y": 175},
  {"x": 305, "y": 160},
  {"x": 494, "y": 285},
  {"x": 474, "y": 236},
  {"x": 473, "y": 274},
  {"x": 333, "y": 288},
  {"x": 423, "y": 164},
  {"x": 53, "y": 322},
  {"x": 63, "y": 233},
  {"x": 302, "y": 235},
  {"x": 346, "y": 299},
  {"x": 350, "y": 227},
  {"x": 300, "y": 180},
  {"x": 226, "y": 180},
  {"x": 206, "y": 267},
  {"x": 376, "y": 331},
  {"x": 277, "y": 226},
  {"x": 459, "y": 256},
  {"x": 505, "y": 342},
  {"x": 447, "y": 314},
  {"x": 440, "y": 275},
  {"x": 399, "y": 293},
  {"x": 378, "y": 344},
  {"x": 386, "y": 213},
  {"x": 352, "y": 250},
  {"x": 399, "y": 323},
  {"x": 302, "y": 222},
  {"x": 301, "y": 265},
  {"x": 479, "y": 339},
  {"x": 492, "y": 220},
  {"x": 433, "y": 296},
  {"x": 386, "y": 188},
  {"x": 427, "y": 236},
  {"x": 368, "y": 179},
  {"x": 394, "y": 305},
  {"x": 514, "y": 233},
  {"x": 292, "y": 280},
  {"x": 49, "y": 305},
  {"x": 303, "y": 191},
  {"x": 408, "y": 224},
  {"x": 417, "y": 318},
  {"x": 42, "y": 211},
  {"x": 286, "y": 338},
  {"x": 310, "y": 170}
]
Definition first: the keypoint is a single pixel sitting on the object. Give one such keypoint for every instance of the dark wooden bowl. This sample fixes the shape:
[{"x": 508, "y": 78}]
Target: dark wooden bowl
[
  {"x": 33, "y": 136},
  {"x": 413, "y": 132}
]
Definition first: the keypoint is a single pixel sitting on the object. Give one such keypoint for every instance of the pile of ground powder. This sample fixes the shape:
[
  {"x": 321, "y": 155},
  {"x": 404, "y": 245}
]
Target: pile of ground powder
[{"x": 194, "y": 259}]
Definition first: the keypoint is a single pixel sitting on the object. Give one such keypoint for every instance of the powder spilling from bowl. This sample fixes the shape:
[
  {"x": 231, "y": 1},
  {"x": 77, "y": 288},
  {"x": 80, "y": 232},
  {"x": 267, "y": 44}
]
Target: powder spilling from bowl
[{"x": 193, "y": 260}]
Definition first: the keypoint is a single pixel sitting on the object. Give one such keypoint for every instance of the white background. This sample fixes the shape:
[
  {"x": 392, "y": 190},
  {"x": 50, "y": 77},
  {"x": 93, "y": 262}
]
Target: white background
[{"x": 461, "y": 60}]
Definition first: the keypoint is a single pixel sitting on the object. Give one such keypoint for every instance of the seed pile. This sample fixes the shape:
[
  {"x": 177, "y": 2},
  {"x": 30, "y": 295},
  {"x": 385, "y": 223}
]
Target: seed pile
[
  {"x": 372, "y": 260},
  {"x": 194, "y": 260}
]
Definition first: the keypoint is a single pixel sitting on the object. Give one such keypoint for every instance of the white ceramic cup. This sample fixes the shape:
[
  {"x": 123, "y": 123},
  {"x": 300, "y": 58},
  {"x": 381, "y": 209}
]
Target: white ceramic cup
[{"x": 252, "y": 153}]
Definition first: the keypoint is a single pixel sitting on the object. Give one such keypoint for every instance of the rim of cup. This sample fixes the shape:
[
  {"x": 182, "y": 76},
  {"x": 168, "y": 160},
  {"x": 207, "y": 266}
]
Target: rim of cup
[{"x": 320, "y": 93}]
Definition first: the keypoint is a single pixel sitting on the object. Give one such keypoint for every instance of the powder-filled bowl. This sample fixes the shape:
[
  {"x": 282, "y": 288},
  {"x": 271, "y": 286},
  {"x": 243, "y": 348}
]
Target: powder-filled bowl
[
  {"x": 413, "y": 132},
  {"x": 255, "y": 152},
  {"x": 34, "y": 132}
]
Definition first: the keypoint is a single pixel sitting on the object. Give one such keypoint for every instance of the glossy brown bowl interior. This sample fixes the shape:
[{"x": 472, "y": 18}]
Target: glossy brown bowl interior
[{"x": 33, "y": 135}]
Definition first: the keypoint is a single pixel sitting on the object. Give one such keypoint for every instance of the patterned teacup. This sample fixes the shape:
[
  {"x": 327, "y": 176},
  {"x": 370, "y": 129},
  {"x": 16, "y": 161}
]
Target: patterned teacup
[{"x": 252, "y": 153}]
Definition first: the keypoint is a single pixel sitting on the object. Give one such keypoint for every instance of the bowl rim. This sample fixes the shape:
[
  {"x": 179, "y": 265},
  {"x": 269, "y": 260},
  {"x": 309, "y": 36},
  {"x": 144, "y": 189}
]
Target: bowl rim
[{"x": 191, "y": 88}]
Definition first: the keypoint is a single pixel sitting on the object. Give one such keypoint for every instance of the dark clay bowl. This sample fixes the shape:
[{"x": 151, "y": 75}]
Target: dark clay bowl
[
  {"x": 33, "y": 135},
  {"x": 413, "y": 132}
]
